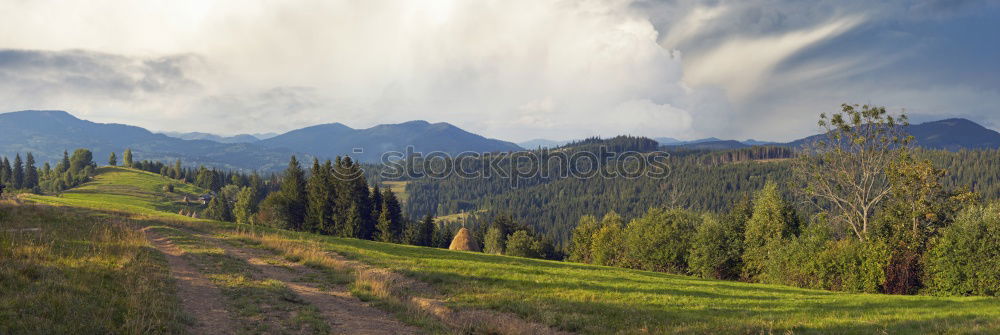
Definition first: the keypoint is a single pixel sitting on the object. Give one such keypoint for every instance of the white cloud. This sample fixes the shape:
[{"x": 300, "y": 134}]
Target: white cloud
[
  {"x": 507, "y": 69},
  {"x": 742, "y": 64},
  {"x": 473, "y": 63}
]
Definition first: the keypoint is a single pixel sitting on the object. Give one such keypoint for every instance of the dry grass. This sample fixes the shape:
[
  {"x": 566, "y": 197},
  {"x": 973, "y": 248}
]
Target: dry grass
[
  {"x": 416, "y": 300},
  {"x": 64, "y": 271}
]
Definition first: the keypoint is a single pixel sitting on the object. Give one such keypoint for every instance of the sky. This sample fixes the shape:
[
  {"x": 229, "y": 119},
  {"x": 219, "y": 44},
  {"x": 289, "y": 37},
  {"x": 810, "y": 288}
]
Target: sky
[{"x": 510, "y": 69}]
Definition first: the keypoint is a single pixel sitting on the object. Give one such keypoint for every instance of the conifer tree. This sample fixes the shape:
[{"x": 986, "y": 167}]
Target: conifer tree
[
  {"x": 17, "y": 177},
  {"x": 5, "y": 172},
  {"x": 425, "y": 232},
  {"x": 319, "y": 201},
  {"x": 376, "y": 201},
  {"x": 393, "y": 212},
  {"x": 293, "y": 190},
  {"x": 352, "y": 222},
  {"x": 443, "y": 237},
  {"x": 113, "y": 160},
  {"x": 30, "y": 172},
  {"x": 384, "y": 230},
  {"x": 63, "y": 165}
]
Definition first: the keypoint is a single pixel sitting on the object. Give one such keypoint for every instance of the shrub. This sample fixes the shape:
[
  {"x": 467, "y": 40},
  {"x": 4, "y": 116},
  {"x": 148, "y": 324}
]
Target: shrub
[
  {"x": 606, "y": 244},
  {"x": 814, "y": 260},
  {"x": 965, "y": 258},
  {"x": 581, "y": 241},
  {"x": 493, "y": 241},
  {"x": 661, "y": 240},
  {"x": 717, "y": 248},
  {"x": 519, "y": 244},
  {"x": 772, "y": 222}
]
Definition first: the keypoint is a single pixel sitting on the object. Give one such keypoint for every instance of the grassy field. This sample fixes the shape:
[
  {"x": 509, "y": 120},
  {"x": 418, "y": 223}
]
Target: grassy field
[
  {"x": 67, "y": 271},
  {"x": 593, "y": 299},
  {"x": 123, "y": 189}
]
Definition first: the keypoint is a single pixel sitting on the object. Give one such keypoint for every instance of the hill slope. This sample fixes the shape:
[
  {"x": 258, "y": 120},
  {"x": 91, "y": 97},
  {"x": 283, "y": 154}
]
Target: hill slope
[
  {"x": 329, "y": 140},
  {"x": 241, "y": 138},
  {"x": 48, "y": 133},
  {"x": 591, "y": 299},
  {"x": 949, "y": 134}
]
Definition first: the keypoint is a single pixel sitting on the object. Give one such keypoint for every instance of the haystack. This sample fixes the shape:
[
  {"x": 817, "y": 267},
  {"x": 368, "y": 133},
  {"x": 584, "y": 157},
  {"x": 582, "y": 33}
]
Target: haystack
[{"x": 463, "y": 241}]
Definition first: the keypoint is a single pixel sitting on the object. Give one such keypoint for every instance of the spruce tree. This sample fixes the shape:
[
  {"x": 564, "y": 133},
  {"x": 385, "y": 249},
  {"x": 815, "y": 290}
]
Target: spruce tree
[
  {"x": 376, "y": 201},
  {"x": 293, "y": 190},
  {"x": 127, "y": 157},
  {"x": 383, "y": 228},
  {"x": 17, "y": 177},
  {"x": 425, "y": 233},
  {"x": 319, "y": 202},
  {"x": 352, "y": 222},
  {"x": 5, "y": 172},
  {"x": 393, "y": 212},
  {"x": 30, "y": 172},
  {"x": 358, "y": 191},
  {"x": 443, "y": 237},
  {"x": 63, "y": 165},
  {"x": 113, "y": 160}
]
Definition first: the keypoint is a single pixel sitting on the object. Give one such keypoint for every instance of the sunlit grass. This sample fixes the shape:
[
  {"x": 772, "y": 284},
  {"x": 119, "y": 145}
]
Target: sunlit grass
[
  {"x": 594, "y": 299},
  {"x": 66, "y": 272}
]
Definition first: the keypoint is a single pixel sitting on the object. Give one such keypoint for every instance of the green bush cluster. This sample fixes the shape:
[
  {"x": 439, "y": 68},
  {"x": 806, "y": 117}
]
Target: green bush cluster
[{"x": 965, "y": 258}]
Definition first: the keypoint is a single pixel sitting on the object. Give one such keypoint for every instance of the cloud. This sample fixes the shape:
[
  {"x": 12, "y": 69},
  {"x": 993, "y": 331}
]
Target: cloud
[
  {"x": 741, "y": 65},
  {"x": 506, "y": 69}
]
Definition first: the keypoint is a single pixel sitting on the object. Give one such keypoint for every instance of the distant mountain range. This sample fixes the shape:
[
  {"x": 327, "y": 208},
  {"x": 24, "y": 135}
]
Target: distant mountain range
[
  {"x": 48, "y": 133},
  {"x": 328, "y": 140},
  {"x": 241, "y": 138},
  {"x": 948, "y": 134},
  {"x": 541, "y": 143}
]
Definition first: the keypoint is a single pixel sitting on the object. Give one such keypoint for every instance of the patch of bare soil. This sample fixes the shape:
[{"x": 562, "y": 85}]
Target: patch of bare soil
[
  {"x": 199, "y": 298},
  {"x": 344, "y": 313}
]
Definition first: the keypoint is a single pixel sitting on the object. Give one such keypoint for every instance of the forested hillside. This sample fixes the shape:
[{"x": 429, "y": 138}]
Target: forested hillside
[{"x": 701, "y": 180}]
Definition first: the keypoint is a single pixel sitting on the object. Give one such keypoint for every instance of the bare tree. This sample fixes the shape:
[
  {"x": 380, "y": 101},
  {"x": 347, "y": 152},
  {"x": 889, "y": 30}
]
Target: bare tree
[{"x": 846, "y": 171}]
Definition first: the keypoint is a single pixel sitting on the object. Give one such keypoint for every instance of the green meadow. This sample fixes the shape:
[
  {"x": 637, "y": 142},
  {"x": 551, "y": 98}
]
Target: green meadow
[{"x": 567, "y": 296}]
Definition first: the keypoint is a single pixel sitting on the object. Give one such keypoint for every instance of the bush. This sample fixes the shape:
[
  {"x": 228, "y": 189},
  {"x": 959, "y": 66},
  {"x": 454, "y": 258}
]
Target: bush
[
  {"x": 661, "y": 240},
  {"x": 272, "y": 212},
  {"x": 814, "y": 260},
  {"x": 493, "y": 241},
  {"x": 519, "y": 244},
  {"x": 772, "y": 223},
  {"x": 717, "y": 249},
  {"x": 581, "y": 241},
  {"x": 606, "y": 244},
  {"x": 965, "y": 258}
]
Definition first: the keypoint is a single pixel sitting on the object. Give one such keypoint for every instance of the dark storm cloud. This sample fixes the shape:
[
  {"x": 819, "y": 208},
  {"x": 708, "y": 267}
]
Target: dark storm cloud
[{"x": 42, "y": 73}]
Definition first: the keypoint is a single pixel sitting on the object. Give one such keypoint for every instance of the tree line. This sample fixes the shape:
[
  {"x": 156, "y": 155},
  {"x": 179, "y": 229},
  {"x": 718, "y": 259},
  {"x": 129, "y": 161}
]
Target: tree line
[
  {"x": 883, "y": 221},
  {"x": 24, "y": 176}
]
